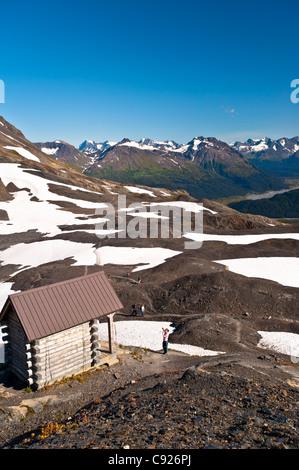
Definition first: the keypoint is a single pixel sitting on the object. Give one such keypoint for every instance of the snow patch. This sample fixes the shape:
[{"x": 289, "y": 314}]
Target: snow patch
[
  {"x": 11, "y": 138},
  {"x": 147, "y": 257},
  {"x": 12, "y": 172},
  {"x": 5, "y": 291},
  {"x": 50, "y": 151},
  {"x": 132, "y": 143},
  {"x": 240, "y": 239},
  {"x": 136, "y": 190},
  {"x": 281, "y": 342},
  {"x": 23, "y": 152},
  {"x": 28, "y": 255},
  {"x": 148, "y": 334},
  {"x": 283, "y": 270},
  {"x": 186, "y": 205}
]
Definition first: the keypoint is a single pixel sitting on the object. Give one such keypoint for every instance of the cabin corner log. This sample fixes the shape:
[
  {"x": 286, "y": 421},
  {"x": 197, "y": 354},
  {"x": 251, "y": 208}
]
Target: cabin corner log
[{"x": 4, "y": 344}]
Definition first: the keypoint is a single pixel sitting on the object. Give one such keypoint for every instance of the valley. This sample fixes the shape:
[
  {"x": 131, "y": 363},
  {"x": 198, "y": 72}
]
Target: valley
[
  {"x": 282, "y": 205},
  {"x": 270, "y": 194}
]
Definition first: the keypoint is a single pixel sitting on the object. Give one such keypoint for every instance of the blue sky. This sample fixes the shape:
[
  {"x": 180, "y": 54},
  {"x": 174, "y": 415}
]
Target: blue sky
[{"x": 160, "y": 69}]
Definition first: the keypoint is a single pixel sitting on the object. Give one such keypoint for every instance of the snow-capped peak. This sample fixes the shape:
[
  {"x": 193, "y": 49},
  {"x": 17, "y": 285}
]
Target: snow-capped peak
[{"x": 91, "y": 146}]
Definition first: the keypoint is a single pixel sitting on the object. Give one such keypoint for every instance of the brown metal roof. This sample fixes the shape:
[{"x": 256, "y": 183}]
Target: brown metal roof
[{"x": 47, "y": 310}]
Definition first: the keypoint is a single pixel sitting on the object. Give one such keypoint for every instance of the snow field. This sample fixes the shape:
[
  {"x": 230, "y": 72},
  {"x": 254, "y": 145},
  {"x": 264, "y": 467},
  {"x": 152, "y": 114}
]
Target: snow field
[
  {"x": 23, "y": 152},
  {"x": 28, "y": 255},
  {"x": 147, "y": 257},
  {"x": 148, "y": 334},
  {"x": 281, "y": 342},
  {"x": 284, "y": 270},
  {"x": 240, "y": 239}
]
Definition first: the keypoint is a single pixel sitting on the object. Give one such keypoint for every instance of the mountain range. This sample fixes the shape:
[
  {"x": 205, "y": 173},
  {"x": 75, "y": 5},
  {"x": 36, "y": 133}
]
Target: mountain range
[
  {"x": 267, "y": 148},
  {"x": 204, "y": 167},
  {"x": 278, "y": 157}
]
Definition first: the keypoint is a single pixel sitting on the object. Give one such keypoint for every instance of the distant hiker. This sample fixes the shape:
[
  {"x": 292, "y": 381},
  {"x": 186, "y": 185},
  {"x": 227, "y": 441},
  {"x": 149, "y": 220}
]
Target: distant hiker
[
  {"x": 142, "y": 308},
  {"x": 139, "y": 279},
  {"x": 134, "y": 311},
  {"x": 165, "y": 335}
]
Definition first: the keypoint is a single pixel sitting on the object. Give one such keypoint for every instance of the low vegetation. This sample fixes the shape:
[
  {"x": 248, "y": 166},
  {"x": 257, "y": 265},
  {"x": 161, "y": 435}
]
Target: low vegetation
[{"x": 284, "y": 205}]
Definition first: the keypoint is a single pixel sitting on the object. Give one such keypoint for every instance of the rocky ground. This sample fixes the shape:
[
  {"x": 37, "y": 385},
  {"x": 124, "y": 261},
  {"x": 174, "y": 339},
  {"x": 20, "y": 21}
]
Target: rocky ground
[{"x": 151, "y": 401}]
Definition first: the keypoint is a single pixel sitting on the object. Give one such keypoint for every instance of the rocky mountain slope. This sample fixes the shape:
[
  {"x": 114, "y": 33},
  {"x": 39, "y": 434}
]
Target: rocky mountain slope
[
  {"x": 53, "y": 227},
  {"x": 65, "y": 153}
]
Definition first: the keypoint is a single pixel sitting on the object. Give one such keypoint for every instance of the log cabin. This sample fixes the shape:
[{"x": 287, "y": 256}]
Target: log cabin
[{"x": 52, "y": 330}]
